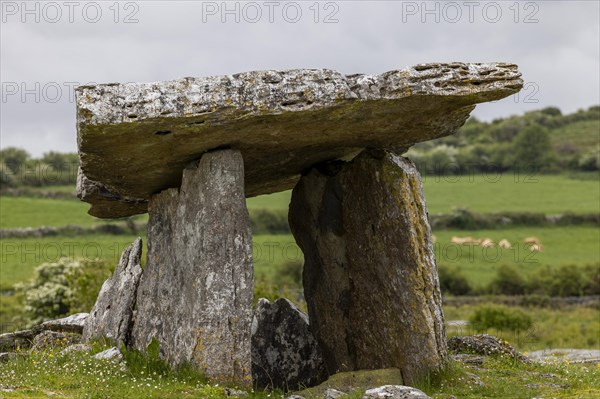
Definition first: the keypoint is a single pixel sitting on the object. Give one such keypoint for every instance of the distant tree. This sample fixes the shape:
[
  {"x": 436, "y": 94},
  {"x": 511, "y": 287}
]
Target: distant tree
[
  {"x": 551, "y": 111},
  {"x": 532, "y": 148},
  {"x": 14, "y": 158},
  {"x": 60, "y": 161}
]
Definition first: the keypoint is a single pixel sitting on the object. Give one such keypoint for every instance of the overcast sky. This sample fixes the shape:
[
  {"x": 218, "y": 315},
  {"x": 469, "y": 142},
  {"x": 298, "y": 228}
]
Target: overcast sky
[{"x": 49, "y": 47}]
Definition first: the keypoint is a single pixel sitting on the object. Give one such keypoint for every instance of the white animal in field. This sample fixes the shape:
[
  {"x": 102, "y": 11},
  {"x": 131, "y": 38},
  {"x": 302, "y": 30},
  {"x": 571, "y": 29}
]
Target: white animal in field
[
  {"x": 486, "y": 242},
  {"x": 504, "y": 244},
  {"x": 536, "y": 247},
  {"x": 532, "y": 240},
  {"x": 464, "y": 240}
]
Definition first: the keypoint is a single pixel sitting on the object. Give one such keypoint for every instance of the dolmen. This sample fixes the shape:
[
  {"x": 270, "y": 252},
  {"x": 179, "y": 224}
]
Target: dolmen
[{"x": 190, "y": 151}]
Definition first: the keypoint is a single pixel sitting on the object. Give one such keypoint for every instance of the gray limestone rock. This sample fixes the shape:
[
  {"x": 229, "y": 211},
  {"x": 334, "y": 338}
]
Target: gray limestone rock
[
  {"x": 112, "y": 314},
  {"x": 283, "y": 122},
  {"x": 113, "y": 354},
  {"x": 69, "y": 324},
  {"x": 370, "y": 278},
  {"x": 52, "y": 339},
  {"x": 196, "y": 291},
  {"x": 285, "y": 354},
  {"x": 395, "y": 392}
]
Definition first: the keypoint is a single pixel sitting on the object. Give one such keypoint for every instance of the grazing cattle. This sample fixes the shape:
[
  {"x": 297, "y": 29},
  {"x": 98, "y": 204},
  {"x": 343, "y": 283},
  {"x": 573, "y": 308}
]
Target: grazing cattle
[
  {"x": 464, "y": 240},
  {"x": 486, "y": 242},
  {"x": 532, "y": 240},
  {"x": 536, "y": 247},
  {"x": 504, "y": 244}
]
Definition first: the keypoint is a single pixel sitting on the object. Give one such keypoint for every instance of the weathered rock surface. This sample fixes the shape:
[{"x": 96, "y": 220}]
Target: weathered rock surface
[
  {"x": 195, "y": 294},
  {"x": 52, "y": 339},
  {"x": 70, "y": 324},
  {"x": 113, "y": 354},
  {"x": 370, "y": 279},
  {"x": 395, "y": 392},
  {"x": 112, "y": 314},
  {"x": 285, "y": 354},
  {"x": 283, "y": 122},
  {"x": 351, "y": 381},
  {"x": 23, "y": 339},
  {"x": 484, "y": 344}
]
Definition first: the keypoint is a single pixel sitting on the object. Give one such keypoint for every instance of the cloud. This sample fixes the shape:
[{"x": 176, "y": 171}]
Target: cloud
[{"x": 558, "y": 54}]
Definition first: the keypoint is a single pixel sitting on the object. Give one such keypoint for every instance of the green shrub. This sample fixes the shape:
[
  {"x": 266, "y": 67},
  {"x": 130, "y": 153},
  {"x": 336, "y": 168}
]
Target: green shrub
[
  {"x": 453, "y": 281},
  {"x": 61, "y": 288},
  {"x": 290, "y": 273},
  {"x": 508, "y": 281},
  {"x": 498, "y": 317},
  {"x": 265, "y": 221}
]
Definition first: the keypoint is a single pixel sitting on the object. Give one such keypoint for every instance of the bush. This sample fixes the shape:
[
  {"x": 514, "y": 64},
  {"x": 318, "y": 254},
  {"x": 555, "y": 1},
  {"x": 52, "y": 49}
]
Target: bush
[
  {"x": 61, "y": 288},
  {"x": 265, "y": 221},
  {"x": 500, "y": 318},
  {"x": 453, "y": 281},
  {"x": 508, "y": 281},
  {"x": 290, "y": 273}
]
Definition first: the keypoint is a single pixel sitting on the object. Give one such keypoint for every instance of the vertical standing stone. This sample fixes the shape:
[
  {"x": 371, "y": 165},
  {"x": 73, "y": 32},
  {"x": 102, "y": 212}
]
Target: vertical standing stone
[
  {"x": 195, "y": 294},
  {"x": 113, "y": 311},
  {"x": 370, "y": 278}
]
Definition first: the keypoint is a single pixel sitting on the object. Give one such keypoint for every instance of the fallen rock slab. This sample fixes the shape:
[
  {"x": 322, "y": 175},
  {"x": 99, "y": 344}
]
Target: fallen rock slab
[
  {"x": 283, "y": 122},
  {"x": 70, "y": 324},
  {"x": 561, "y": 355}
]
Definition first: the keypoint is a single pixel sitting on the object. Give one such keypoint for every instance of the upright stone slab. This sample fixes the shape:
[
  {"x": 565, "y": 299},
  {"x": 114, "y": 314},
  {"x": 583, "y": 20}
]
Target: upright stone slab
[
  {"x": 370, "y": 278},
  {"x": 112, "y": 313},
  {"x": 195, "y": 294}
]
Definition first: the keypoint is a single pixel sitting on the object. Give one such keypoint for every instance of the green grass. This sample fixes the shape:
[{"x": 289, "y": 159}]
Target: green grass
[
  {"x": 20, "y": 256},
  {"x": 581, "y": 135},
  {"x": 566, "y": 327},
  {"x": 274, "y": 201},
  {"x": 550, "y": 194},
  {"x": 540, "y": 193},
  {"x": 506, "y": 192},
  {"x": 34, "y": 212},
  {"x": 50, "y": 373}
]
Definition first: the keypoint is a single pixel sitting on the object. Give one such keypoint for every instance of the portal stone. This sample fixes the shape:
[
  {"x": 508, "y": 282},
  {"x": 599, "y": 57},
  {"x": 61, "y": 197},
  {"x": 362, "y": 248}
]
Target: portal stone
[
  {"x": 195, "y": 294},
  {"x": 112, "y": 314},
  {"x": 370, "y": 278}
]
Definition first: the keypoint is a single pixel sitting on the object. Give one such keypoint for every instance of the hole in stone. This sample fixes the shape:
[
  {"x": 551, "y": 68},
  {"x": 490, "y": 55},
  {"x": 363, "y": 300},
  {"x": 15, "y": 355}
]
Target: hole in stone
[
  {"x": 476, "y": 82},
  {"x": 132, "y": 116},
  {"x": 163, "y": 132}
]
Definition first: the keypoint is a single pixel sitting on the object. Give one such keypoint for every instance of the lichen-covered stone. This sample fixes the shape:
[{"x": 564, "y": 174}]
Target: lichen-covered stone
[
  {"x": 395, "y": 392},
  {"x": 112, "y": 314},
  {"x": 285, "y": 354},
  {"x": 283, "y": 122},
  {"x": 195, "y": 294},
  {"x": 351, "y": 381},
  {"x": 370, "y": 279}
]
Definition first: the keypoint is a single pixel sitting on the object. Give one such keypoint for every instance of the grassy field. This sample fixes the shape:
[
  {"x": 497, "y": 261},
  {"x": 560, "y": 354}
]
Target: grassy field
[
  {"x": 508, "y": 192},
  {"x": 479, "y": 193},
  {"x": 567, "y": 327},
  {"x": 582, "y": 135},
  {"x": 20, "y": 256},
  {"x": 50, "y": 373},
  {"x": 571, "y": 245}
]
